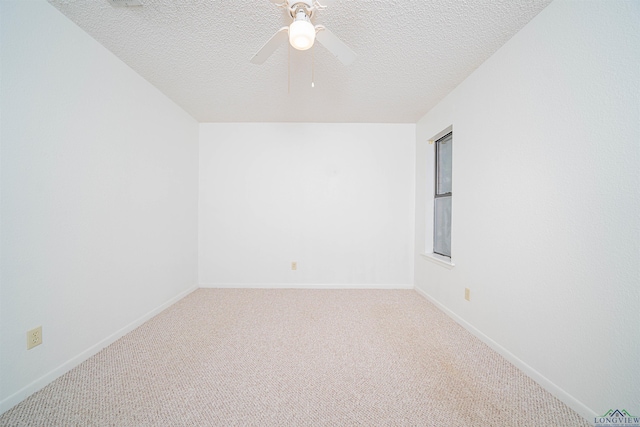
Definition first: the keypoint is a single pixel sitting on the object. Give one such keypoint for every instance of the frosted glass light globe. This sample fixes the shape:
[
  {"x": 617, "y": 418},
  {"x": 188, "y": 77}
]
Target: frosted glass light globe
[{"x": 302, "y": 34}]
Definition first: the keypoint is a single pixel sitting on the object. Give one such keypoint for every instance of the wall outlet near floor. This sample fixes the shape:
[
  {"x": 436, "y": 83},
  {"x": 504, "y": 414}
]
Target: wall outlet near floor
[
  {"x": 294, "y": 265},
  {"x": 34, "y": 337},
  {"x": 467, "y": 294}
]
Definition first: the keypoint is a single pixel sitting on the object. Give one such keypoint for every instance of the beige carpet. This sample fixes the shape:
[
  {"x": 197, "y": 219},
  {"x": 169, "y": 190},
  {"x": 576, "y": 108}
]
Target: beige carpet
[{"x": 252, "y": 357}]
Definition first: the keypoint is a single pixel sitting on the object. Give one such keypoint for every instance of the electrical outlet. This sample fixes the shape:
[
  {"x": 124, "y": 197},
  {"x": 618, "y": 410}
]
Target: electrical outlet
[
  {"x": 294, "y": 265},
  {"x": 467, "y": 294},
  {"x": 34, "y": 337}
]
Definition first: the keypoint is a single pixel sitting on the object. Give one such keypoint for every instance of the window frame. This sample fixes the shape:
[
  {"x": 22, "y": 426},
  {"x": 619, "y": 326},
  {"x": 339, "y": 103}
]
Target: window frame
[{"x": 436, "y": 194}]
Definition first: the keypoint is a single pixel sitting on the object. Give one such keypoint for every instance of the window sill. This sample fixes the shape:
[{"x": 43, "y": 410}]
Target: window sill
[{"x": 440, "y": 260}]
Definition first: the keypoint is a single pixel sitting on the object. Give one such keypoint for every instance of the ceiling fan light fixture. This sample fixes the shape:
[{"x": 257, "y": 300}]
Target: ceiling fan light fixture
[{"x": 302, "y": 34}]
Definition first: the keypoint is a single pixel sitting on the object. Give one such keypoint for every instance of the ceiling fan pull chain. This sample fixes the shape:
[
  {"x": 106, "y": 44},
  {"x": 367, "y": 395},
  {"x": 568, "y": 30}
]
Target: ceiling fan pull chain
[
  {"x": 289, "y": 69},
  {"x": 313, "y": 66}
]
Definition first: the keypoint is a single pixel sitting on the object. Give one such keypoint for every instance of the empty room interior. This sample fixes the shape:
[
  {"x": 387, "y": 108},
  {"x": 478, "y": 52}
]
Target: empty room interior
[{"x": 428, "y": 215}]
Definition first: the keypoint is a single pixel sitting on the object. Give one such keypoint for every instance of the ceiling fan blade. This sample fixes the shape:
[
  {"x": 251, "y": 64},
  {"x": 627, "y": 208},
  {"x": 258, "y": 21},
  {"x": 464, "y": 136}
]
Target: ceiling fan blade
[
  {"x": 270, "y": 46},
  {"x": 335, "y": 45},
  {"x": 324, "y": 3}
]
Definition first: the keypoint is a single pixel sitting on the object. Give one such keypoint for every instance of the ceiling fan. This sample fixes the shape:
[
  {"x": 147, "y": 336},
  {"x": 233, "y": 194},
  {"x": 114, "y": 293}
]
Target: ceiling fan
[{"x": 302, "y": 33}]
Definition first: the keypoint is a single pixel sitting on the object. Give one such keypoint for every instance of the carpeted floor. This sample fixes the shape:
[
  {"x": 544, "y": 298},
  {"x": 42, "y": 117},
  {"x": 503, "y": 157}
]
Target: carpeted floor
[{"x": 287, "y": 357}]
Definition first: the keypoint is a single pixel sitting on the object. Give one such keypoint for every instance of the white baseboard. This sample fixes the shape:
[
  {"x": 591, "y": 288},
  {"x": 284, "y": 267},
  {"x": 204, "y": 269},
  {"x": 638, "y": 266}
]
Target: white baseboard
[
  {"x": 41, "y": 382},
  {"x": 543, "y": 381},
  {"x": 305, "y": 286}
]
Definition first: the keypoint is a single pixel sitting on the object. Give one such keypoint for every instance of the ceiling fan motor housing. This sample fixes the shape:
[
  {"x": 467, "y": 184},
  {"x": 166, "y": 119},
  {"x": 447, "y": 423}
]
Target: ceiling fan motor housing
[
  {"x": 296, "y": 6},
  {"x": 293, "y": 3}
]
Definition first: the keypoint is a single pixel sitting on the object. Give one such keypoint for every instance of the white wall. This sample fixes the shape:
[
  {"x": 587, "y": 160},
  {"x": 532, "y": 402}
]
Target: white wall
[
  {"x": 336, "y": 198},
  {"x": 99, "y": 197},
  {"x": 546, "y": 224}
]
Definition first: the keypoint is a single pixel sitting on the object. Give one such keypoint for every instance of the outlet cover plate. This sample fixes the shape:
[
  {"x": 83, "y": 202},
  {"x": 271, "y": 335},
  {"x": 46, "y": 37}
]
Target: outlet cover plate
[{"x": 34, "y": 337}]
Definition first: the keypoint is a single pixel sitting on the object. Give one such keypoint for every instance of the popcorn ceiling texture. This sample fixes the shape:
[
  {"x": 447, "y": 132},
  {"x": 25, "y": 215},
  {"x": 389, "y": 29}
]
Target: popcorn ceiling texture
[
  {"x": 292, "y": 357},
  {"x": 410, "y": 54}
]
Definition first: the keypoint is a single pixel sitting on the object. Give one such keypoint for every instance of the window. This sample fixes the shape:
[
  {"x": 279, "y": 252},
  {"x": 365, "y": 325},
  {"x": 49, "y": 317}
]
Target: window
[{"x": 442, "y": 197}]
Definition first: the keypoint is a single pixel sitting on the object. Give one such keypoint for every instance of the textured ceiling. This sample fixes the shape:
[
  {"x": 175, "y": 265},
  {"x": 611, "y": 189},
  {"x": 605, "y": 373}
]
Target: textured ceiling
[{"x": 410, "y": 54}]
